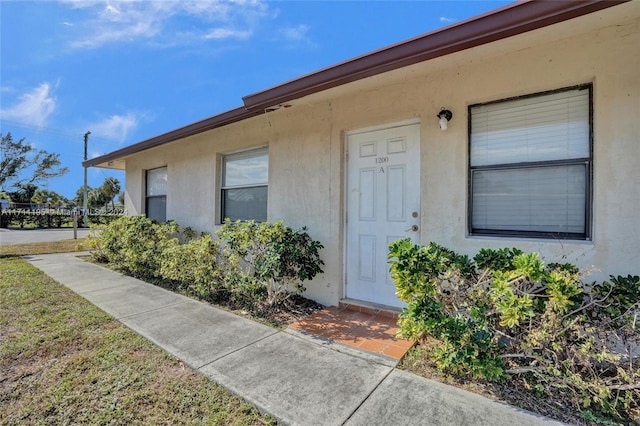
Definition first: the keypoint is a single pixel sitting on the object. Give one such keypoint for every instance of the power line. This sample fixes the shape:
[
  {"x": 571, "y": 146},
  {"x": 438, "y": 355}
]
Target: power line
[
  {"x": 51, "y": 130},
  {"x": 72, "y": 134}
]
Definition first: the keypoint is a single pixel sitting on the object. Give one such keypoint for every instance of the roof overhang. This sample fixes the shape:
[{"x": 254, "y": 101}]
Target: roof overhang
[
  {"x": 498, "y": 24},
  {"x": 508, "y": 21},
  {"x": 220, "y": 120}
]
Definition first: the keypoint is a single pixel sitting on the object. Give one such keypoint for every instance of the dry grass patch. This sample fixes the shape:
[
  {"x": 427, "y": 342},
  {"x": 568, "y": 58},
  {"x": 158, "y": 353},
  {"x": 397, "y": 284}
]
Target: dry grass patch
[
  {"x": 64, "y": 361},
  {"x": 64, "y": 246}
]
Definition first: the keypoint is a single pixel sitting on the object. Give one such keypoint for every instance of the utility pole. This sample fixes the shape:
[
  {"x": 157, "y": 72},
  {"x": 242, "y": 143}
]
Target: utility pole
[{"x": 85, "y": 212}]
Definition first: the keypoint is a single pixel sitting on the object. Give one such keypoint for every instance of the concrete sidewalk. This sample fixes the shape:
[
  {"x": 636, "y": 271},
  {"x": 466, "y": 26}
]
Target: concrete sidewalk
[{"x": 296, "y": 380}]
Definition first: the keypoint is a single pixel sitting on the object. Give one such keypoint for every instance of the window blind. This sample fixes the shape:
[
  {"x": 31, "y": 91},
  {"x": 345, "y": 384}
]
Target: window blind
[
  {"x": 530, "y": 164},
  {"x": 544, "y": 128},
  {"x": 157, "y": 182},
  {"x": 156, "y": 197},
  {"x": 539, "y": 199},
  {"x": 245, "y": 185}
]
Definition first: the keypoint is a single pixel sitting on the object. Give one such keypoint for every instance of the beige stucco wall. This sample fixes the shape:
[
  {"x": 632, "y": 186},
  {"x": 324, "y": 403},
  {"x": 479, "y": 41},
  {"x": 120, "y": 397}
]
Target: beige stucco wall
[{"x": 306, "y": 145}]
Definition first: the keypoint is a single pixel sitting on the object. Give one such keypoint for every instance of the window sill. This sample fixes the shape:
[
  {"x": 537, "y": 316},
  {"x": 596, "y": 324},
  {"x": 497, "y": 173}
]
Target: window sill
[{"x": 530, "y": 240}]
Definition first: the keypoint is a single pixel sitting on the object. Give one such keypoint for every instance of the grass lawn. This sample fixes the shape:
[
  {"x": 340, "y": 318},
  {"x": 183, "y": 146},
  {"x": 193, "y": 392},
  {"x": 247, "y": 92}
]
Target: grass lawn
[
  {"x": 63, "y": 246},
  {"x": 64, "y": 361}
]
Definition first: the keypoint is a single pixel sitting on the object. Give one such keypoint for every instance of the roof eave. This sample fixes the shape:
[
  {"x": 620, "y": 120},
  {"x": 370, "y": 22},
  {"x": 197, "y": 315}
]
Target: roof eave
[
  {"x": 220, "y": 120},
  {"x": 508, "y": 21}
]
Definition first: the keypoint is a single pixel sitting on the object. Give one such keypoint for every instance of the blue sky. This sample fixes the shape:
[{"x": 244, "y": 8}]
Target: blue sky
[{"x": 128, "y": 71}]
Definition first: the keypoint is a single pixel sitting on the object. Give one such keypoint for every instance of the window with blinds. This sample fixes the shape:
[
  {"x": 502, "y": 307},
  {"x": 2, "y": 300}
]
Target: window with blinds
[
  {"x": 530, "y": 165},
  {"x": 245, "y": 184},
  {"x": 156, "y": 194}
]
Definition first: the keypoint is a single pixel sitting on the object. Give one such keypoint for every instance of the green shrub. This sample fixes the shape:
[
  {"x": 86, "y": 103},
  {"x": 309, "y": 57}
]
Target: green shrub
[
  {"x": 256, "y": 262},
  {"x": 506, "y": 315},
  {"x": 281, "y": 258},
  {"x": 49, "y": 218},
  {"x": 194, "y": 266},
  {"x": 38, "y": 218},
  {"x": 623, "y": 300},
  {"x": 134, "y": 244}
]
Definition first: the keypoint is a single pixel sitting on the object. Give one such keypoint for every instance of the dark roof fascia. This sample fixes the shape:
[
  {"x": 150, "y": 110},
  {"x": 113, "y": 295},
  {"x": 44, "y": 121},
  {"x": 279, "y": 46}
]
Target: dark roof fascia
[
  {"x": 508, "y": 21},
  {"x": 220, "y": 120}
]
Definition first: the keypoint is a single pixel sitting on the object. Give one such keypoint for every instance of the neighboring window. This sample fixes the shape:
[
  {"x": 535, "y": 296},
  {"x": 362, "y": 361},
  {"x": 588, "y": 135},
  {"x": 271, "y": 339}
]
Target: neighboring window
[
  {"x": 244, "y": 185},
  {"x": 156, "y": 197},
  {"x": 530, "y": 165}
]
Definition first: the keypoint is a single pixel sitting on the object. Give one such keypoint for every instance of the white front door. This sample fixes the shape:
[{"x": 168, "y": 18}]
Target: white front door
[{"x": 383, "y": 205}]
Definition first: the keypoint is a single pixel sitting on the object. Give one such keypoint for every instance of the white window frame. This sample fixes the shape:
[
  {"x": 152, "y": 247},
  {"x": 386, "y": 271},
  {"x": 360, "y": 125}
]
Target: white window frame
[
  {"x": 242, "y": 155},
  {"x": 570, "y": 162}
]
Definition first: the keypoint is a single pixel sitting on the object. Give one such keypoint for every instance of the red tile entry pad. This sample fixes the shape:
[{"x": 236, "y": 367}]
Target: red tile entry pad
[{"x": 361, "y": 327}]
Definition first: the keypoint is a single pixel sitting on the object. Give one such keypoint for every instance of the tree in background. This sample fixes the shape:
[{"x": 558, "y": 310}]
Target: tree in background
[
  {"x": 77, "y": 200},
  {"x": 50, "y": 198},
  {"x": 111, "y": 187},
  {"x": 22, "y": 165},
  {"x": 100, "y": 196},
  {"x": 24, "y": 194}
]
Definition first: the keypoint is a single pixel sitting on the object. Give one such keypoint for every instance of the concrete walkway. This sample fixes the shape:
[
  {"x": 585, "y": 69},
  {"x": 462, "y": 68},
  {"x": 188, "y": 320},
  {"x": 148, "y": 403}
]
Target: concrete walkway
[{"x": 296, "y": 380}]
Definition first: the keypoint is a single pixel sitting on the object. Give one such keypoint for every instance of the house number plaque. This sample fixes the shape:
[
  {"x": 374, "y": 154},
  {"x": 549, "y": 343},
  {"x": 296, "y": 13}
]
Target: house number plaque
[{"x": 382, "y": 160}]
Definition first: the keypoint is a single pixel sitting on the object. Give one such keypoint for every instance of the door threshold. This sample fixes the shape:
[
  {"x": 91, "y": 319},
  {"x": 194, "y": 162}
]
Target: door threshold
[{"x": 370, "y": 308}]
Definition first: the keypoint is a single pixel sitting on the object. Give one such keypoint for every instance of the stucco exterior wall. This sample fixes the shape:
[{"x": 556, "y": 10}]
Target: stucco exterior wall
[{"x": 307, "y": 148}]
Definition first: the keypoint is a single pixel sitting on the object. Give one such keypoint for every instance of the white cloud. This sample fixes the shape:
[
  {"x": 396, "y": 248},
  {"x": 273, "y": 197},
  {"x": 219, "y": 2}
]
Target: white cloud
[
  {"x": 222, "y": 33},
  {"x": 297, "y": 33},
  {"x": 115, "y": 127},
  {"x": 446, "y": 20},
  {"x": 33, "y": 108},
  {"x": 159, "y": 22},
  {"x": 94, "y": 154},
  {"x": 111, "y": 9}
]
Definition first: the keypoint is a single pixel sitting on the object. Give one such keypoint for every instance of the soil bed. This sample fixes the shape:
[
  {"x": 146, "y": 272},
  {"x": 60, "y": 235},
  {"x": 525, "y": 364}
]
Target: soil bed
[
  {"x": 291, "y": 310},
  {"x": 513, "y": 392}
]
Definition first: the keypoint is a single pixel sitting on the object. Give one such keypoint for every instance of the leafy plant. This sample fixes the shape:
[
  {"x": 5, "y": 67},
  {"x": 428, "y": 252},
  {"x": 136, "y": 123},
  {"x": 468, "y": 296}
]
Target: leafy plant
[
  {"x": 194, "y": 266},
  {"x": 134, "y": 244},
  {"x": 280, "y": 257},
  {"x": 499, "y": 259},
  {"x": 247, "y": 263},
  {"x": 623, "y": 294},
  {"x": 506, "y": 315}
]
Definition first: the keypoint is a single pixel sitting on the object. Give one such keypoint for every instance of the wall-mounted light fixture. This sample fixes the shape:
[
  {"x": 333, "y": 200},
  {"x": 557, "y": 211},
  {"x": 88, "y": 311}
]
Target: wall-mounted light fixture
[{"x": 444, "y": 117}]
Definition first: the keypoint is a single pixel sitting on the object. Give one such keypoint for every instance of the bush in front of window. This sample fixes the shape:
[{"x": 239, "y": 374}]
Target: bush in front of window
[
  {"x": 279, "y": 257},
  {"x": 246, "y": 264},
  {"x": 505, "y": 315},
  {"x": 194, "y": 266},
  {"x": 134, "y": 244}
]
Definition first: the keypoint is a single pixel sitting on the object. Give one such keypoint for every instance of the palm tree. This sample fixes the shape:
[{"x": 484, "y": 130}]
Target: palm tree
[{"x": 111, "y": 188}]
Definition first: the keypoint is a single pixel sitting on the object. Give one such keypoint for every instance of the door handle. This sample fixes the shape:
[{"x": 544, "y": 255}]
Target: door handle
[{"x": 414, "y": 228}]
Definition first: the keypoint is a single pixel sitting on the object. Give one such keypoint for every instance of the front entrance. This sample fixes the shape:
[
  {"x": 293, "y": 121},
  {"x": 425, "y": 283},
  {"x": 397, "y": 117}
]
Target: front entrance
[{"x": 383, "y": 205}]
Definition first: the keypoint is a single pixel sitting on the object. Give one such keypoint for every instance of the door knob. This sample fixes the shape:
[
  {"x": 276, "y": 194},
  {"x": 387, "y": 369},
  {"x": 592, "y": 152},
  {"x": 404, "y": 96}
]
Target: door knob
[{"x": 414, "y": 228}]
